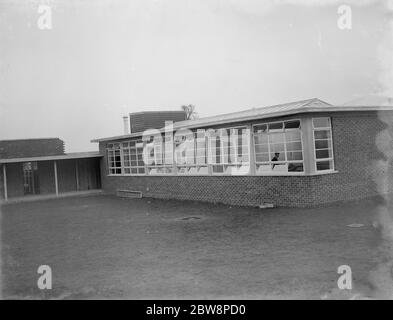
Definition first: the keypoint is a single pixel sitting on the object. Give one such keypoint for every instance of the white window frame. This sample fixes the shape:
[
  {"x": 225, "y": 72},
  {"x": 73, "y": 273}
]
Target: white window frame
[
  {"x": 192, "y": 168},
  {"x": 222, "y": 163},
  {"x": 131, "y": 167},
  {"x": 163, "y": 166},
  {"x": 315, "y": 160},
  {"x": 278, "y": 173},
  {"x": 112, "y": 150}
]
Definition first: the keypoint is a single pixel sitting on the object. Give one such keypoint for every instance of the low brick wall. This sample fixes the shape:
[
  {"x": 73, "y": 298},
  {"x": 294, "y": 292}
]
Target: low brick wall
[{"x": 234, "y": 190}]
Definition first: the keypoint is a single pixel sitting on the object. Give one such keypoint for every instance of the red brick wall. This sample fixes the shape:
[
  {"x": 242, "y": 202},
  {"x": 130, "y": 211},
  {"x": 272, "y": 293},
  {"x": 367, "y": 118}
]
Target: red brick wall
[{"x": 356, "y": 157}]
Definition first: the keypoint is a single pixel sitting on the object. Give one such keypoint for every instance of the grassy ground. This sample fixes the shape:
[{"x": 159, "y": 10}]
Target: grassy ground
[{"x": 106, "y": 247}]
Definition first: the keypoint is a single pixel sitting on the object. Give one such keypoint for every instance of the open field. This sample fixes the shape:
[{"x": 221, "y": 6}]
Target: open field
[{"x": 107, "y": 247}]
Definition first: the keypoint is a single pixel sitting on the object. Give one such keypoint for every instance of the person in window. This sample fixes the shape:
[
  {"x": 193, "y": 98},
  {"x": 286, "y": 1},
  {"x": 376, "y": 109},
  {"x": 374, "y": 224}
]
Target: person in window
[{"x": 275, "y": 158}]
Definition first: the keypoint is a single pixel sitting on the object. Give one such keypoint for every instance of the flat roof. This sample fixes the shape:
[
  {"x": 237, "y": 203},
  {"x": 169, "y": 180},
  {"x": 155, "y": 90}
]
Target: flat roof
[
  {"x": 67, "y": 156},
  {"x": 292, "y": 108},
  {"x": 29, "y": 139}
]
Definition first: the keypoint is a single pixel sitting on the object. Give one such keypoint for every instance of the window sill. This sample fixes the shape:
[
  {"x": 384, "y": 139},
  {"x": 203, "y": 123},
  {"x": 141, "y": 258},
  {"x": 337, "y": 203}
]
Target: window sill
[
  {"x": 284, "y": 174},
  {"x": 321, "y": 173}
]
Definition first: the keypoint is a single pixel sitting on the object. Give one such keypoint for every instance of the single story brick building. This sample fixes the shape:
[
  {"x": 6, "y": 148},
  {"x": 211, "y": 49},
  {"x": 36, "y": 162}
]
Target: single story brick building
[
  {"x": 33, "y": 168},
  {"x": 298, "y": 154}
]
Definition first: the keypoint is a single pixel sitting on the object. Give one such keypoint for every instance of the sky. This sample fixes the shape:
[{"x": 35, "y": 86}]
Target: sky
[{"x": 102, "y": 59}]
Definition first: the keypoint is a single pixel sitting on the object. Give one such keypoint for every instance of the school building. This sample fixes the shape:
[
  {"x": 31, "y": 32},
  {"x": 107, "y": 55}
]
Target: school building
[{"x": 298, "y": 154}]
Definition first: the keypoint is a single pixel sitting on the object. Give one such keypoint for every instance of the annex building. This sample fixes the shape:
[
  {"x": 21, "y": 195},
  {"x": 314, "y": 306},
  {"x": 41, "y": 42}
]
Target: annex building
[{"x": 37, "y": 168}]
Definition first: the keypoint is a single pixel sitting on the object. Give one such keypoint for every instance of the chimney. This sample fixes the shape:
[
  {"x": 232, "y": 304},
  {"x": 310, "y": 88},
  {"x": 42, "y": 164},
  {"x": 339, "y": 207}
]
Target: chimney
[{"x": 126, "y": 125}]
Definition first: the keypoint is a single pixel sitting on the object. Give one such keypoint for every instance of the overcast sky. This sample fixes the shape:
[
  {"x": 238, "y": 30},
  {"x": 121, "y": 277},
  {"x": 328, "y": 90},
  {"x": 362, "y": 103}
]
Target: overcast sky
[{"x": 104, "y": 58}]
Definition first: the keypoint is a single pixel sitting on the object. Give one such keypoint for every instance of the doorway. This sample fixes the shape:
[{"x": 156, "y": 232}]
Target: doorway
[{"x": 30, "y": 178}]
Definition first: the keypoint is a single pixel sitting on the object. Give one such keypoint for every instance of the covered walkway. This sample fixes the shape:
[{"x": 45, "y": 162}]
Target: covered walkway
[{"x": 48, "y": 176}]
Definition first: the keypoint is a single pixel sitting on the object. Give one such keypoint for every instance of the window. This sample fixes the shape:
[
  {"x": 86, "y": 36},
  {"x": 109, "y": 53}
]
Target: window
[
  {"x": 114, "y": 159},
  {"x": 133, "y": 157},
  {"x": 190, "y": 151},
  {"x": 30, "y": 178},
  {"x": 229, "y": 151},
  {"x": 323, "y": 144},
  {"x": 278, "y": 147},
  {"x": 160, "y": 159}
]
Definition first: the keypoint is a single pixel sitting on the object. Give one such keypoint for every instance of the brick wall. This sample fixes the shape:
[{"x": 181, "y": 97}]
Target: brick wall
[
  {"x": 141, "y": 121},
  {"x": 357, "y": 160}
]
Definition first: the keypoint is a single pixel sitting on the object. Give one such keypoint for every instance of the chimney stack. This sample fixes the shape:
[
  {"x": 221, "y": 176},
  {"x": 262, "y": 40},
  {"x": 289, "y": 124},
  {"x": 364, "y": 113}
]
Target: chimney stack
[{"x": 126, "y": 125}]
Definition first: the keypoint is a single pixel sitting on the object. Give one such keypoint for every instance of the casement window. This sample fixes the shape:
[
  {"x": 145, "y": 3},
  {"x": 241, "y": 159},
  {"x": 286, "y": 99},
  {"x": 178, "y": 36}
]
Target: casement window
[
  {"x": 323, "y": 144},
  {"x": 160, "y": 160},
  {"x": 114, "y": 159},
  {"x": 278, "y": 147},
  {"x": 229, "y": 151},
  {"x": 133, "y": 157},
  {"x": 190, "y": 153},
  {"x": 30, "y": 178}
]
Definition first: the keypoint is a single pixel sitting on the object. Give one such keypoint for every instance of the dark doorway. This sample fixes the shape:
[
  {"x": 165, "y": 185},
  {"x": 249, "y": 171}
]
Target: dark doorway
[{"x": 30, "y": 178}]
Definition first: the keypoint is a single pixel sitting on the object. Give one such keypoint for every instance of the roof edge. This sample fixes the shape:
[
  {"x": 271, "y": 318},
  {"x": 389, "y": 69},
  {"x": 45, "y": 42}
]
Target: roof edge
[
  {"x": 303, "y": 109},
  {"x": 67, "y": 156}
]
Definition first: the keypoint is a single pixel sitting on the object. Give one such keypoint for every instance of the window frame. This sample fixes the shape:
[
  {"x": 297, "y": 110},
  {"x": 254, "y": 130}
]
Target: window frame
[
  {"x": 112, "y": 150},
  {"x": 279, "y": 173},
  {"x": 131, "y": 167},
  {"x": 163, "y": 166},
  {"x": 209, "y": 151},
  {"x": 195, "y": 165},
  {"x": 315, "y": 160}
]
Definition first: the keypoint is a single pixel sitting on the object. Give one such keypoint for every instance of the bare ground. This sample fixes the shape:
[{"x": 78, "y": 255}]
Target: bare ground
[{"x": 107, "y": 247}]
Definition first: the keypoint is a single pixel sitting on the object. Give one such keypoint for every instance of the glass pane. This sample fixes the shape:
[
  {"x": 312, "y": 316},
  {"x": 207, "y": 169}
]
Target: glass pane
[
  {"x": 275, "y": 126},
  {"x": 292, "y": 135},
  {"x": 244, "y": 158},
  {"x": 322, "y": 134},
  {"x": 295, "y": 167},
  {"x": 279, "y": 147},
  {"x": 261, "y": 148},
  {"x": 321, "y": 122},
  {"x": 321, "y": 144},
  {"x": 260, "y": 128},
  {"x": 276, "y": 137},
  {"x": 294, "y": 146},
  {"x": 323, "y": 154},
  {"x": 263, "y": 157},
  {"x": 218, "y": 169},
  {"x": 261, "y": 138},
  {"x": 292, "y": 124},
  {"x": 294, "y": 156},
  {"x": 127, "y": 170},
  {"x": 324, "y": 165}
]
